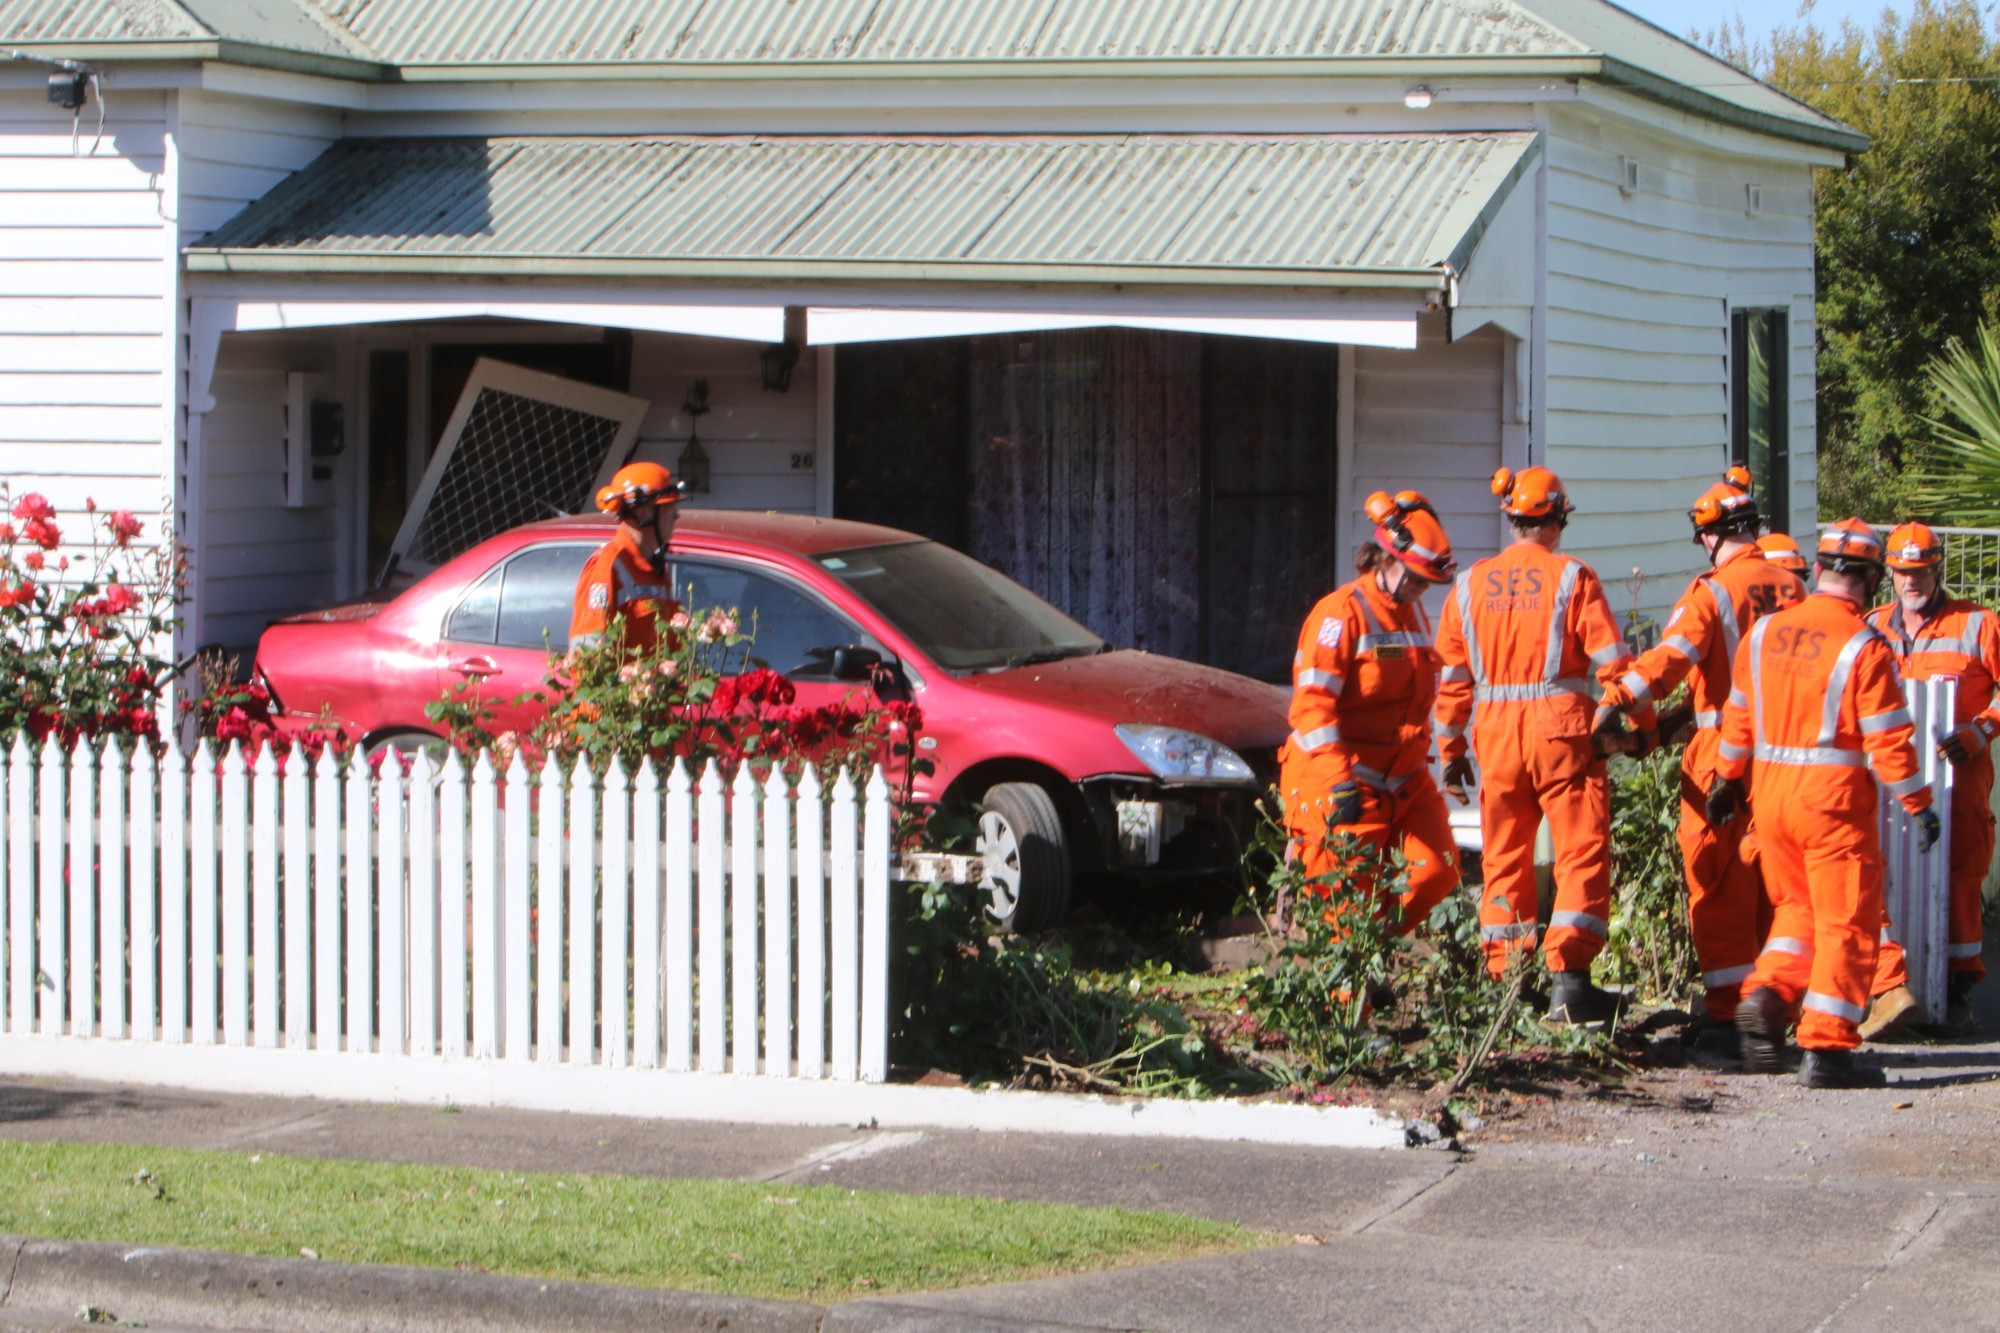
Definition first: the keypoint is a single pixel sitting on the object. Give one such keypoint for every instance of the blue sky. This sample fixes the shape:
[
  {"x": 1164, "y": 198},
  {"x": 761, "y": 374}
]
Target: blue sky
[{"x": 1759, "y": 16}]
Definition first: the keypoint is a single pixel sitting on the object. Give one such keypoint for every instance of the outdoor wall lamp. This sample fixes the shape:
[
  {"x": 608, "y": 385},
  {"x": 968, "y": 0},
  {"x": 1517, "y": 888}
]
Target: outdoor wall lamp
[
  {"x": 778, "y": 359},
  {"x": 1419, "y": 97},
  {"x": 691, "y": 468}
]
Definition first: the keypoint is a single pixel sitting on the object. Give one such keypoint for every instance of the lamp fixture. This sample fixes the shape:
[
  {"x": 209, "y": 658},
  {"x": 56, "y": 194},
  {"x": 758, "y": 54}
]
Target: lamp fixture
[
  {"x": 1419, "y": 97},
  {"x": 691, "y": 468}
]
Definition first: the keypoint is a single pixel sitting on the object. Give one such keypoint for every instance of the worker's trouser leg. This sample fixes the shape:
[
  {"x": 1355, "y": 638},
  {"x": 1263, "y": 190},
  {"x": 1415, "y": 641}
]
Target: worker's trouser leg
[
  {"x": 1971, "y": 859},
  {"x": 1412, "y": 821},
  {"x": 1522, "y": 778},
  {"x": 1824, "y": 867},
  {"x": 1725, "y": 887}
]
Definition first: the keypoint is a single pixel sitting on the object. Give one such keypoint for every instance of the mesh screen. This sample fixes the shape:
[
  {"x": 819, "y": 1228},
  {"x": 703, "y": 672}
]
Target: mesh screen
[{"x": 518, "y": 459}]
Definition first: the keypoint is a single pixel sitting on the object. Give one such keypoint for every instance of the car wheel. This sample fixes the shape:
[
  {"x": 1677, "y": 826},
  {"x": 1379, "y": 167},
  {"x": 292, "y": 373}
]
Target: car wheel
[
  {"x": 1026, "y": 856},
  {"x": 405, "y": 745}
]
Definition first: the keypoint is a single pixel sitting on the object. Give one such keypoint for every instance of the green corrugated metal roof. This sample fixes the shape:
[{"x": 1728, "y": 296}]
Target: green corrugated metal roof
[
  {"x": 461, "y": 40},
  {"x": 1320, "y": 210}
]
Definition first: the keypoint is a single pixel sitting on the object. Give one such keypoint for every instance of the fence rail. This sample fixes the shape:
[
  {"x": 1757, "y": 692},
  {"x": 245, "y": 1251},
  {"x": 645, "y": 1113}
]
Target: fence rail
[{"x": 447, "y": 912}]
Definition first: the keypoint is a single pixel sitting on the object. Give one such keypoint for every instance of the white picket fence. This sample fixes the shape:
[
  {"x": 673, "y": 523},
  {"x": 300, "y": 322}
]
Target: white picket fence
[
  {"x": 1917, "y": 889},
  {"x": 446, "y": 914}
]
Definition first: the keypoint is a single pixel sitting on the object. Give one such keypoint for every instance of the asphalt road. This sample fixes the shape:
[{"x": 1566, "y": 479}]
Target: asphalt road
[{"x": 1695, "y": 1198}]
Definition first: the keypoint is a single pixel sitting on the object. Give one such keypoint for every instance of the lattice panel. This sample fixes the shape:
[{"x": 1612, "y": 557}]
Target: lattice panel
[{"x": 518, "y": 459}]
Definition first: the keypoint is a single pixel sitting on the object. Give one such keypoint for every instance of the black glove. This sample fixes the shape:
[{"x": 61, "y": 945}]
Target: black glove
[
  {"x": 1674, "y": 720},
  {"x": 1725, "y": 798},
  {"x": 1345, "y": 807},
  {"x": 1963, "y": 745},
  {"x": 1458, "y": 776},
  {"x": 1930, "y": 825}
]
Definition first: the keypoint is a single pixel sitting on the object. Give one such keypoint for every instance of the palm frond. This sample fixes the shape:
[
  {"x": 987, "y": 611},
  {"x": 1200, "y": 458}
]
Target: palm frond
[{"x": 1960, "y": 482}]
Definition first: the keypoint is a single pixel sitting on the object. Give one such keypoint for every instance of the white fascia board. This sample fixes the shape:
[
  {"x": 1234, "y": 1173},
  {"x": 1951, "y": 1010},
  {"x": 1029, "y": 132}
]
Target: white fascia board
[
  {"x": 279, "y": 86},
  {"x": 830, "y": 327},
  {"x": 761, "y": 324},
  {"x": 1688, "y": 127}
]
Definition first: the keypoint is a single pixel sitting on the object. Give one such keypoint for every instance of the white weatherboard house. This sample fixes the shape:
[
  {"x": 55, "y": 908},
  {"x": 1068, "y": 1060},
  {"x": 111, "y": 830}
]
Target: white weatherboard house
[{"x": 1137, "y": 300}]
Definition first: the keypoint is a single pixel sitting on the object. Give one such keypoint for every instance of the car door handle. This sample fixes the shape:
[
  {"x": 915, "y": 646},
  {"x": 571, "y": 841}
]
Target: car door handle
[{"x": 477, "y": 666}]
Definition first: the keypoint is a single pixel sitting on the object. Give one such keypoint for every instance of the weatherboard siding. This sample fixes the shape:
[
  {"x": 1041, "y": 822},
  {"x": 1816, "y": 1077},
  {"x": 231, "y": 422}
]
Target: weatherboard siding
[
  {"x": 761, "y": 445},
  {"x": 85, "y": 273},
  {"x": 1640, "y": 288}
]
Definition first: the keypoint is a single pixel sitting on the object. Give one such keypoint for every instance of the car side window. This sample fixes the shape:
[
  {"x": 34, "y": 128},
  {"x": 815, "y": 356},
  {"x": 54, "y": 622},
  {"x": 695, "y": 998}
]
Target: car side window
[
  {"x": 477, "y": 614},
  {"x": 537, "y": 596},
  {"x": 796, "y": 632}
]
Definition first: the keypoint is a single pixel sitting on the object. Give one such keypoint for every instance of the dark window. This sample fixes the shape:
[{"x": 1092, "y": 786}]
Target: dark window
[
  {"x": 538, "y": 596},
  {"x": 388, "y": 451},
  {"x": 476, "y": 617},
  {"x": 899, "y": 409},
  {"x": 796, "y": 633},
  {"x": 1759, "y": 403}
]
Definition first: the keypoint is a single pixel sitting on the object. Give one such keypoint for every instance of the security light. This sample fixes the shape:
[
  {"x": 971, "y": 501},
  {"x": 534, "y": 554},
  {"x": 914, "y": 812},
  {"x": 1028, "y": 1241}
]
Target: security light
[{"x": 1419, "y": 97}]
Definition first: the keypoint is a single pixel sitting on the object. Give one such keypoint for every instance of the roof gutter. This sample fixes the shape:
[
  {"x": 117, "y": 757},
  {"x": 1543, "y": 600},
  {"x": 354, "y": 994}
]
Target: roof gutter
[
  {"x": 380, "y": 264},
  {"x": 1827, "y": 134},
  {"x": 194, "y": 49}
]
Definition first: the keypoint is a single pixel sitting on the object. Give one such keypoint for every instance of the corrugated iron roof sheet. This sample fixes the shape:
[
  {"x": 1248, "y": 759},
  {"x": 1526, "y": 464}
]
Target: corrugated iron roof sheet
[
  {"x": 97, "y": 21},
  {"x": 1077, "y": 207}
]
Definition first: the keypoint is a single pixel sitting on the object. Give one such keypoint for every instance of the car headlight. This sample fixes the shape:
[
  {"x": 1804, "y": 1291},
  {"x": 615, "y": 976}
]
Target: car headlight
[{"x": 1183, "y": 756}]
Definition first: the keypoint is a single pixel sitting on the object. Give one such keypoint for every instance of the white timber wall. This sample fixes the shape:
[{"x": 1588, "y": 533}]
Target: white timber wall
[
  {"x": 1433, "y": 420},
  {"x": 252, "y": 557},
  {"x": 761, "y": 445},
  {"x": 87, "y": 266},
  {"x": 1640, "y": 287}
]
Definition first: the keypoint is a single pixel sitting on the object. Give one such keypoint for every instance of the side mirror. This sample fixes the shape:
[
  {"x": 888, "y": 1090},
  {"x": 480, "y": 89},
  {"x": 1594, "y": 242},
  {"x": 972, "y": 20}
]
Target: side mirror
[{"x": 853, "y": 662}]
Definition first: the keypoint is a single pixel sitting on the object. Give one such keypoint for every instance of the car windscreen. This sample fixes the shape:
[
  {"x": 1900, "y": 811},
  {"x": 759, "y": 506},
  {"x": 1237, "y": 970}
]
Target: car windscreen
[{"x": 963, "y": 615}]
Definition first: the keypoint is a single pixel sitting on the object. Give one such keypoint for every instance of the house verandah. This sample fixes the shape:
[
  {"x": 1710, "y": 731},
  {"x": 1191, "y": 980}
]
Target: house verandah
[{"x": 1170, "y": 438}]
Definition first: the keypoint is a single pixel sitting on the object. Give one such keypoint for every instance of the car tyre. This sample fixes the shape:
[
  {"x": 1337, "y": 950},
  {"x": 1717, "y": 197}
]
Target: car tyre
[
  {"x": 407, "y": 744},
  {"x": 1026, "y": 854}
]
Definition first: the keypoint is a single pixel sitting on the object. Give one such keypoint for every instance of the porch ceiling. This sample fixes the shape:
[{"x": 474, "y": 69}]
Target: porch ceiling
[{"x": 1324, "y": 211}]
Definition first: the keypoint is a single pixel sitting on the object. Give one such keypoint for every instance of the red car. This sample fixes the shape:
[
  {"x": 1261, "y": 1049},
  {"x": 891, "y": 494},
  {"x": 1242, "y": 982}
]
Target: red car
[{"x": 1082, "y": 760}]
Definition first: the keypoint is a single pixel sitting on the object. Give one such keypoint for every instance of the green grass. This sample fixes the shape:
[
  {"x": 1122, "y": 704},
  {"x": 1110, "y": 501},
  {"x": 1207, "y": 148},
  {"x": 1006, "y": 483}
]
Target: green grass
[{"x": 747, "y": 1239}]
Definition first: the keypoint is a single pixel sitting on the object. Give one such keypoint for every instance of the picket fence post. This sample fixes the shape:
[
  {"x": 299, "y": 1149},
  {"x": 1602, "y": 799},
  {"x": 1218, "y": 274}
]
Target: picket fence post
[
  {"x": 486, "y": 1015},
  {"x": 423, "y": 940},
  {"x": 175, "y": 951},
  {"x": 549, "y": 915},
  {"x": 145, "y": 914},
  {"x": 111, "y": 904},
  {"x": 777, "y": 926},
  {"x": 21, "y": 952},
  {"x": 811, "y": 893},
  {"x": 296, "y": 796},
  {"x": 326, "y": 902},
  {"x": 743, "y": 922},
  {"x": 646, "y": 918},
  {"x": 678, "y": 925},
  {"x": 714, "y": 974},
  {"x": 846, "y": 990},
  {"x": 519, "y": 986},
  {"x": 264, "y": 898},
  {"x": 616, "y": 898}
]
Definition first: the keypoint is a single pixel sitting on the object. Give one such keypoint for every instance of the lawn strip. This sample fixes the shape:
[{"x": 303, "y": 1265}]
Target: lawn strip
[{"x": 726, "y": 1237}]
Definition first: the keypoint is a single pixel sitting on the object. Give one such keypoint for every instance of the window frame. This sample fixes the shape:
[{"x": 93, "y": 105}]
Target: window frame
[{"x": 1774, "y": 485}]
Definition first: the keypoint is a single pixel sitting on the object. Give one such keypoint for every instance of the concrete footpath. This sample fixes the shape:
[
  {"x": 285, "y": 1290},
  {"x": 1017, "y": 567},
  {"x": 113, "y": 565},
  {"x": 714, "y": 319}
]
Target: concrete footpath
[{"x": 1694, "y": 1197}]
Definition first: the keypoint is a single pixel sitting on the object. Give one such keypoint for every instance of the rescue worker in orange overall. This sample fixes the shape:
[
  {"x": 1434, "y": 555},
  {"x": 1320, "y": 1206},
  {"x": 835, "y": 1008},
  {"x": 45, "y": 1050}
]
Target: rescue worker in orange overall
[
  {"x": 1521, "y": 634},
  {"x": 1783, "y": 552},
  {"x": 1934, "y": 634},
  {"x": 1815, "y": 703},
  {"x": 628, "y": 576},
  {"x": 1364, "y": 677},
  {"x": 1711, "y": 618}
]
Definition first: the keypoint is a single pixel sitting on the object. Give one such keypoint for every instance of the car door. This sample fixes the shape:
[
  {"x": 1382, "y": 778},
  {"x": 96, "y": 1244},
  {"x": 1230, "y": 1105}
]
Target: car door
[
  {"x": 500, "y": 637},
  {"x": 796, "y": 630}
]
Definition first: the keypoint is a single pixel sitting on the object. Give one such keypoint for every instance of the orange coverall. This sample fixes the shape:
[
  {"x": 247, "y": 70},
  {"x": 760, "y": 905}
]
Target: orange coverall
[
  {"x": 1363, "y": 681},
  {"x": 1960, "y": 639},
  {"x": 1816, "y": 700},
  {"x": 619, "y": 580},
  {"x": 1725, "y": 890},
  {"x": 1521, "y": 633}
]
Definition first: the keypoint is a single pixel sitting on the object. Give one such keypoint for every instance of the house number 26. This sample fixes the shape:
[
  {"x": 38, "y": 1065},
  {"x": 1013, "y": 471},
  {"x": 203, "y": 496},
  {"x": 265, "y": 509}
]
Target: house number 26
[{"x": 802, "y": 462}]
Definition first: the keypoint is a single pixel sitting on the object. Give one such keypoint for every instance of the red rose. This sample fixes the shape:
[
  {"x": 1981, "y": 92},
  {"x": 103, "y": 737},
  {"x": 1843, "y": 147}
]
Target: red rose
[
  {"x": 42, "y": 533},
  {"x": 123, "y": 527},
  {"x": 34, "y": 560},
  {"x": 34, "y": 505}
]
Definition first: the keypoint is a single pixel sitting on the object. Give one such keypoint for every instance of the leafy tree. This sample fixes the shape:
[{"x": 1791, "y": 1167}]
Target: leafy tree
[
  {"x": 1962, "y": 482},
  {"x": 1906, "y": 237}
]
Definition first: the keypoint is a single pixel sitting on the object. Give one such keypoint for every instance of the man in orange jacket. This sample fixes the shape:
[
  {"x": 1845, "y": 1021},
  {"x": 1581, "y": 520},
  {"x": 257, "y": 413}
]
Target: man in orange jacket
[
  {"x": 1358, "y": 761},
  {"x": 1934, "y": 634},
  {"x": 1711, "y": 618},
  {"x": 628, "y": 577},
  {"x": 1522, "y": 633},
  {"x": 1815, "y": 702}
]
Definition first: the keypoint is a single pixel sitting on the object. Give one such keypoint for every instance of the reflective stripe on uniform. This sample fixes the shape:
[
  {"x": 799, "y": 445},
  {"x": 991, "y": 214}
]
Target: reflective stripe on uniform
[
  {"x": 1558, "y": 613},
  {"x": 1733, "y": 753},
  {"x": 1583, "y": 921},
  {"x": 1541, "y": 689},
  {"x": 1803, "y": 756},
  {"x": 1325, "y": 680},
  {"x": 1725, "y": 612},
  {"x": 1464, "y": 594},
  {"x": 1914, "y": 782},
  {"x": 1786, "y": 944},
  {"x": 1318, "y": 736},
  {"x": 1392, "y": 638},
  {"x": 1680, "y": 645},
  {"x": 1448, "y": 730},
  {"x": 1708, "y": 719},
  {"x": 1883, "y": 721},
  {"x": 1636, "y": 683},
  {"x": 1963, "y": 950},
  {"x": 1513, "y": 931},
  {"x": 1738, "y": 697},
  {"x": 1836, "y": 683},
  {"x": 1726, "y": 976},
  {"x": 1967, "y": 642},
  {"x": 1757, "y": 682},
  {"x": 1833, "y": 1004},
  {"x": 1376, "y": 778},
  {"x": 1452, "y": 675}
]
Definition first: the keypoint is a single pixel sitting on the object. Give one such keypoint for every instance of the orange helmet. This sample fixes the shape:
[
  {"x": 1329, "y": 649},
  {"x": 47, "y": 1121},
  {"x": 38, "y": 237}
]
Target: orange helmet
[
  {"x": 1532, "y": 492},
  {"x": 1915, "y": 546},
  {"x": 1783, "y": 552},
  {"x": 1847, "y": 544},
  {"x": 638, "y": 484},
  {"x": 1726, "y": 507},
  {"x": 1407, "y": 527}
]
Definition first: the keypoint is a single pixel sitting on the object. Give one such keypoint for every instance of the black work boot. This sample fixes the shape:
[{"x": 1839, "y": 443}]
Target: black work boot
[
  {"x": 1760, "y": 1023},
  {"x": 1959, "y": 1020},
  {"x": 1718, "y": 1039},
  {"x": 1839, "y": 1069},
  {"x": 1573, "y": 999}
]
